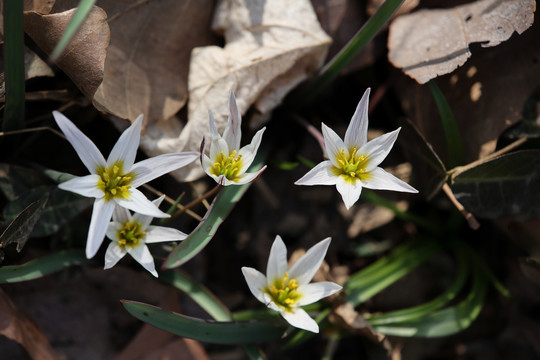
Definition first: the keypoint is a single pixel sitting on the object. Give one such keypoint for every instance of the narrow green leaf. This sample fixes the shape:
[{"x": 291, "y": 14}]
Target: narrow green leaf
[
  {"x": 84, "y": 8},
  {"x": 198, "y": 293},
  {"x": 303, "y": 335},
  {"x": 454, "y": 147},
  {"x": 14, "y": 65},
  {"x": 202, "y": 330},
  {"x": 357, "y": 43},
  {"x": 19, "y": 230},
  {"x": 41, "y": 267}
]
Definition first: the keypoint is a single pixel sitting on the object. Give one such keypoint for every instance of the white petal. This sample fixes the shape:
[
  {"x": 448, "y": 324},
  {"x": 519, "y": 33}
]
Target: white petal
[
  {"x": 248, "y": 177},
  {"x": 383, "y": 180},
  {"x": 217, "y": 147},
  {"x": 299, "y": 318},
  {"x": 101, "y": 216},
  {"x": 249, "y": 152},
  {"x": 277, "y": 261},
  {"x": 256, "y": 282},
  {"x": 152, "y": 168},
  {"x": 379, "y": 148},
  {"x": 233, "y": 134},
  {"x": 156, "y": 234},
  {"x": 143, "y": 257},
  {"x": 306, "y": 267},
  {"x": 350, "y": 191},
  {"x": 206, "y": 164},
  {"x": 137, "y": 202},
  {"x": 332, "y": 144},
  {"x": 125, "y": 148},
  {"x": 85, "y": 148},
  {"x": 212, "y": 124},
  {"x": 356, "y": 134},
  {"x": 112, "y": 230},
  {"x": 320, "y": 175},
  {"x": 270, "y": 303},
  {"x": 315, "y": 291},
  {"x": 146, "y": 220},
  {"x": 121, "y": 214},
  {"x": 113, "y": 255},
  {"x": 84, "y": 185}
]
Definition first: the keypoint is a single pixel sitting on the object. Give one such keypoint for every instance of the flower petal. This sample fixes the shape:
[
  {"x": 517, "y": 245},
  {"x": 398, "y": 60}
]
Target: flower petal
[
  {"x": 213, "y": 129},
  {"x": 379, "y": 148},
  {"x": 121, "y": 214},
  {"x": 143, "y": 257},
  {"x": 125, "y": 148},
  {"x": 383, "y": 180},
  {"x": 84, "y": 185},
  {"x": 152, "y": 168},
  {"x": 217, "y": 147},
  {"x": 356, "y": 134},
  {"x": 350, "y": 191},
  {"x": 315, "y": 291},
  {"x": 146, "y": 220},
  {"x": 277, "y": 261},
  {"x": 332, "y": 144},
  {"x": 156, "y": 234},
  {"x": 299, "y": 318},
  {"x": 249, "y": 152},
  {"x": 85, "y": 148},
  {"x": 306, "y": 267},
  {"x": 206, "y": 164},
  {"x": 248, "y": 177},
  {"x": 113, "y": 255},
  {"x": 233, "y": 132},
  {"x": 137, "y": 202},
  {"x": 320, "y": 175},
  {"x": 256, "y": 282},
  {"x": 113, "y": 228},
  {"x": 101, "y": 216}
]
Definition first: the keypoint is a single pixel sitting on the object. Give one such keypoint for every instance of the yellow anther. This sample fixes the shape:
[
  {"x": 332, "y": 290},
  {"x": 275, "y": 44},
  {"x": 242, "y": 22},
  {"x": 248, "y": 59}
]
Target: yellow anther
[
  {"x": 113, "y": 182},
  {"x": 351, "y": 165}
]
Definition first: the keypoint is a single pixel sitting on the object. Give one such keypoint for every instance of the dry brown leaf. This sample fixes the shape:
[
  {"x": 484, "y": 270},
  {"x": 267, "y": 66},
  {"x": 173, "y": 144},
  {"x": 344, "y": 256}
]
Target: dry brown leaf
[
  {"x": 84, "y": 57},
  {"x": 39, "y": 6},
  {"x": 147, "y": 61},
  {"x": 270, "y": 47},
  {"x": 429, "y": 43},
  {"x": 17, "y": 326}
]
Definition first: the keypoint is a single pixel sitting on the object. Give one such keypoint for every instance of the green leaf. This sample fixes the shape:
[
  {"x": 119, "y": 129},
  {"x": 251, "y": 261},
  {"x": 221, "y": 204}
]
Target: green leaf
[
  {"x": 16, "y": 180},
  {"x": 18, "y": 231},
  {"x": 14, "y": 65},
  {"x": 61, "y": 208},
  {"x": 84, "y": 8},
  {"x": 41, "y": 267},
  {"x": 505, "y": 186},
  {"x": 204, "y": 330},
  {"x": 454, "y": 147}
]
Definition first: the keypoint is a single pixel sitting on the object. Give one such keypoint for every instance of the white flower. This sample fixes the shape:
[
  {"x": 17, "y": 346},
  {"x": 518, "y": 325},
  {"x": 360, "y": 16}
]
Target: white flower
[
  {"x": 114, "y": 181},
  {"x": 227, "y": 163},
  {"x": 285, "y": 290},
  {"x": 130, "y": 234},
  {"x": 353, "y": 162}
]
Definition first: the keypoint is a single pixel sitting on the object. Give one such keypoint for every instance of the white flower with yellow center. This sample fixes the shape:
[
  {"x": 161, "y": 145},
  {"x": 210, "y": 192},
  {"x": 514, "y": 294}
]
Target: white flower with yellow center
[
  {"x": 114, "y": 181},
  {"x": 130, "y": 234},
  {"x": 227, "y": 162},
  {"x": 353, "y": 162},
  {"x": 286, "y": 290}
]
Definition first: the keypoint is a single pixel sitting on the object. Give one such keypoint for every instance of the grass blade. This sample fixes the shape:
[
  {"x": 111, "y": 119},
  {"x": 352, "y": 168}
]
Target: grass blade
[
  {"x": 14, "y": 65},
  {"x": 207, "y": 331},
  {"x": 41, "y": 267},
  {"x": 84, "y": 8}
]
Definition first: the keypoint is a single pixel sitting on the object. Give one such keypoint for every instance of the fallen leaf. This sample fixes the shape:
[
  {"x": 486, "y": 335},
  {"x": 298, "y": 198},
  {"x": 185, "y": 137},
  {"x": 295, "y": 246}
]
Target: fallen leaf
[
  {"x": 83, "y": 59},
  {"x": 147, "y": 62},
  {"x": 270, "y": 46},
  {"x": 429, "y": 43},
  {"x": 39, "y": 6},
  {"x": 17, "y": 326}
]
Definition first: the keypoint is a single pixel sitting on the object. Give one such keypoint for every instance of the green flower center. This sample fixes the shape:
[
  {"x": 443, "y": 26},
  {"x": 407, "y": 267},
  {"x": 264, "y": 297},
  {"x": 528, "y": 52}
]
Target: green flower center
[
  {"x": 283, "y": 292},
  {"x": 352, "y": 166},
  {"x": 130, "y": 235},
  {"x": 113, "y": 182},
  {"x": 229, "y": 166}
]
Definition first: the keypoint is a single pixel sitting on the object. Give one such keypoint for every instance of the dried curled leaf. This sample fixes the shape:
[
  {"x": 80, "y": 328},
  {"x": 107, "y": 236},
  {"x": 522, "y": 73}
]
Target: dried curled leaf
[
  {"x": 270, "y": 47},
  {"x": 84, "y": 58},
  {"x": 429, "y": 43}
]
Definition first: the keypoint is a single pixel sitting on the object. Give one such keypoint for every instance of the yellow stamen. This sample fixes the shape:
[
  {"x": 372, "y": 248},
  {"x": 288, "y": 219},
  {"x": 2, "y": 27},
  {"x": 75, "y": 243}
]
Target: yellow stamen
[
  {"x": 113, "y": 182},
  {"x": 283, "y": 292},
  {"x": 130, "y": 235},
  {"x": 351, "y": 165},
  {"x": 229, "y": 166}
]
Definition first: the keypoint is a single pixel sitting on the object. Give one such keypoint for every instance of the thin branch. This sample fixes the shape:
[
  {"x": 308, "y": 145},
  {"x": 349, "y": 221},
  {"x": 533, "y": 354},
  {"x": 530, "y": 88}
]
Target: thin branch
[
  {"x": 473, "y": 223},
  {"x": 172, "y": 201}
]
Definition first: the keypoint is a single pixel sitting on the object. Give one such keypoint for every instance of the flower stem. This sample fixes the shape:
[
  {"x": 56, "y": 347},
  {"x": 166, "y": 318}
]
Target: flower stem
[{"x": 198, "y": 200}]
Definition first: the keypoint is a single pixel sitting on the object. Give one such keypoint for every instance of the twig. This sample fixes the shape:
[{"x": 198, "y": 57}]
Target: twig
[
  {"x": 40, "y": 128},
  {"x": 473, "y": 223},
  {"x": 198, "y": 200},
  {"x": 171, "y": 201}
]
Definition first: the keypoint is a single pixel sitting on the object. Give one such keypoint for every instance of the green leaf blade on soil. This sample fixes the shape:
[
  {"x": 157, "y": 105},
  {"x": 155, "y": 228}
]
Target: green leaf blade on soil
[{"x": 202, "y": 330}]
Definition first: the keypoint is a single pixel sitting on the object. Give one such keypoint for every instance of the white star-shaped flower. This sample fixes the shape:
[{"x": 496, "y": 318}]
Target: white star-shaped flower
[
  {"x": 130, "y": 234},
  {"x": 227, "y": 162},
  {"x": 286, "y": 290},
  {"x": 114, "y": 181},
  {"x": 353, "y": 162}
]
